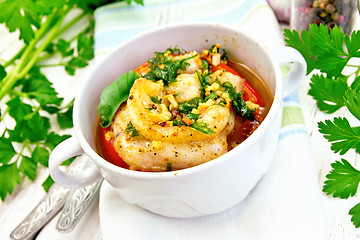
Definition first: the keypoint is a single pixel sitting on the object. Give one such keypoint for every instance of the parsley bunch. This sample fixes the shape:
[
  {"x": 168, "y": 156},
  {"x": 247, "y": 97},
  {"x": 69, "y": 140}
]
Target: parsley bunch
[
  {"x": 28, "y": 99},
  {"x": 329, "y": 51}
]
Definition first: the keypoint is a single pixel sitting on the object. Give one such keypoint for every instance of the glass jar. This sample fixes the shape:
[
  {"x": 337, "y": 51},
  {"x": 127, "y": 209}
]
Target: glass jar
[{"x": 327, "y": 12}]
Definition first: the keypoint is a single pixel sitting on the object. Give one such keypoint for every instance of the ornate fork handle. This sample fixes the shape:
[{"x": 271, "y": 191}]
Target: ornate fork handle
[
  {"x": 48, "y": 207},
  {"x": 78, "y": 201}
]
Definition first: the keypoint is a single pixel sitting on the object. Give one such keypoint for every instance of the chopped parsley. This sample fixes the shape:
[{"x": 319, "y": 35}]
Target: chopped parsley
[
  {"x": 156, "y": 99},
  {"x": 238, "y": 103},
  {"x": 204, "y": 81},
  {"x": 202, "y": 127},
  {"x": 224, "y": 57},
  {"x": 212, "y": 95},
  {"x": 214, "y": 49},
  {"x": 163, "y": 67},
  {"x": 130, "y": 129},
  {"x": 186, "y": 107},
  {"x": 205, "y": 65},
  {"x": 192, "y": 116},
  {"x": 178, "y": 121}
]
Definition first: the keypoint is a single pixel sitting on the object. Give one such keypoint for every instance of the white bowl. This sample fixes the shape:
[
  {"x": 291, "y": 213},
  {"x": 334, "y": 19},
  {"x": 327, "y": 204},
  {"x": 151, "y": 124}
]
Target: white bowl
[{"x": 205, "y": 189}]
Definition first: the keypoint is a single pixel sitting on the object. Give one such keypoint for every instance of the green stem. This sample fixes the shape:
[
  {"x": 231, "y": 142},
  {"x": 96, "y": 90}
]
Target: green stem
[
  {"x": 61, "y": 31},
  {"x": 47, "y": 41},
  {"x": 20, "y": 94},
  {"x": 352, "y": 65},
  {"x": 48, "y": 55},
  {"x": 357, "y": 72},
  {"x": 51, "y": 65},
  {"x": 46, "y": 27},
  {"x": 9, "y": 81},
  {"x": 68, "y": 105},
  {"x": 28, "y": 147},
  {"x": 4, "y": 114},
  {"x": 30, "y": 55},
  {"x": 20, "y": 154},
  {"x": 14, "y": 58}
]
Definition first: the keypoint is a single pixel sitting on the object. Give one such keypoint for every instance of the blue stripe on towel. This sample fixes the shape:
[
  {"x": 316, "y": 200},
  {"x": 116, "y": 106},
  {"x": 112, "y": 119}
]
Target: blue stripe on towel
[{"x": 291, "y": 132}]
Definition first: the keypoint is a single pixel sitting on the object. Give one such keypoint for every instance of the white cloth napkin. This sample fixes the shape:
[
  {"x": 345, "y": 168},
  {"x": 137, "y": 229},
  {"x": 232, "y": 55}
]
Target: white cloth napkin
[{"x": 285, "y": 204}]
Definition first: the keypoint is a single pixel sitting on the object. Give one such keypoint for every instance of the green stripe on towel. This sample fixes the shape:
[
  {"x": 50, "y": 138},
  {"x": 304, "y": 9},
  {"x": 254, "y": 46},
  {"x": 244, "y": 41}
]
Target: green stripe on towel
[{"x": 292, "y": 115}]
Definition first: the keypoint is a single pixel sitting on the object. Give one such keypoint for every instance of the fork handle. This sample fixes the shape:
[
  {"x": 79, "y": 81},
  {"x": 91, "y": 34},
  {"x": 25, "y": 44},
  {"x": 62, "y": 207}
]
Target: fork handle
[
  {"x": 47, "y": 208},
  {"x": 77, "y": 204}
]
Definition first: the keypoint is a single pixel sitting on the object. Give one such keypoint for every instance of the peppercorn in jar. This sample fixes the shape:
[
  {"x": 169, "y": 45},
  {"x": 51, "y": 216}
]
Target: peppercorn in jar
[{"x": 326, "y": 12}]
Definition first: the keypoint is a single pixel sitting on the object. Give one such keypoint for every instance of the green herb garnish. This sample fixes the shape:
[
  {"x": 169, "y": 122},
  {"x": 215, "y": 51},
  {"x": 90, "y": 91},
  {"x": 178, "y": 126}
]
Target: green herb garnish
[
  {"x": 178, "y": 121},
  {"x": 163, "y": 67},
  {"x": 214, "y": 49},
  {"x": 192, "y": 116},
  {"x": 212, "y": 95},
  {"x": 130, "y": 129},
  {"x": 186, "y": 107},
  {"x": 224, "y": 57},
  {"x": 202, "y": 127},
  {"x": 204, "y": 81},
  {"x": 156, "y": 99},
  {"x": 329, "y": 51},
  {"x": 238, "y": 103},
  {"x": 205, "y": 65}
]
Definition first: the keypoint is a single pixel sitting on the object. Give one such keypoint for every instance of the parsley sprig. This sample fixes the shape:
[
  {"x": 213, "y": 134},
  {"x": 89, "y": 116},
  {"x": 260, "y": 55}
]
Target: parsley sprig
[
  {"x": 330, "y": 52},
  {"x": 28, "y": 98}
]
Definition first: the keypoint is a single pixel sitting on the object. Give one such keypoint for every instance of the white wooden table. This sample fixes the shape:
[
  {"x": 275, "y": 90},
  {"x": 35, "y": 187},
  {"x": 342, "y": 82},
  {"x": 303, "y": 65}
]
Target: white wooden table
[{"x": 28, "y": 194}]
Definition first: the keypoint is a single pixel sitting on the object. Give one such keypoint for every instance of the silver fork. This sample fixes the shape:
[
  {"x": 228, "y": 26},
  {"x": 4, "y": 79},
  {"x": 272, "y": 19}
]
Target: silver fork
[{"x": 48, "y": 207}]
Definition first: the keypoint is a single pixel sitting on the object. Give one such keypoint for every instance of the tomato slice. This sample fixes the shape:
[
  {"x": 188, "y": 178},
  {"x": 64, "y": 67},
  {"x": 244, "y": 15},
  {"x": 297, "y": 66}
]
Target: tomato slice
[
  {"x": 249, "y": 92},
  {"x": 142, "y": 68},
  {"x": 108, "y": 150}
]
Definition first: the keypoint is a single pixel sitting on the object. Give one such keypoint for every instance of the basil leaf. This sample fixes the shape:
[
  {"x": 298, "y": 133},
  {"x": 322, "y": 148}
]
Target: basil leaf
[{"x": 113, "y": 95}]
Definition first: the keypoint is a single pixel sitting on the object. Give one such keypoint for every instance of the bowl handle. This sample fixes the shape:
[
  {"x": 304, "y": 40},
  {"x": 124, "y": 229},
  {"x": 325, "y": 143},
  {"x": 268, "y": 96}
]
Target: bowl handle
[
  {"x": 65, "y": 150},
  {"x": 297, "y": 72}
]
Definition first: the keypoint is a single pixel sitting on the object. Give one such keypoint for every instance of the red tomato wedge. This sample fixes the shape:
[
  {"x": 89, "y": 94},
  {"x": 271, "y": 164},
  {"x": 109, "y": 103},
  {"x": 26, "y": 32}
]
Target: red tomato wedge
[
  {"x": 108, "y": 150},
  {"x": 142, "y": 68}
]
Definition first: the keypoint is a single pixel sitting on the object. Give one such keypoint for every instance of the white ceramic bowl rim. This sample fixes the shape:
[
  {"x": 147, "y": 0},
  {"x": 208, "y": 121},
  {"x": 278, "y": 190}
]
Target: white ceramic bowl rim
[{"x": 264, "y": 126}]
